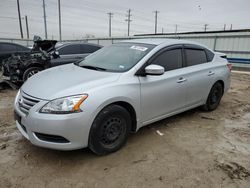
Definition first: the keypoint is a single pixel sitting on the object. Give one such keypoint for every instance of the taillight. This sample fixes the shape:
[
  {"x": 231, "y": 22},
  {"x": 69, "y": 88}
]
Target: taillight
[{"x": 229, "y": 66}]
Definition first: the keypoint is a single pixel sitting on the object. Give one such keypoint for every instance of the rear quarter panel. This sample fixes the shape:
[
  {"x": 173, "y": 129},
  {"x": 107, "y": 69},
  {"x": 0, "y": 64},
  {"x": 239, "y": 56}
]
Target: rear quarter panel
[{"x": 222, "y": 72}]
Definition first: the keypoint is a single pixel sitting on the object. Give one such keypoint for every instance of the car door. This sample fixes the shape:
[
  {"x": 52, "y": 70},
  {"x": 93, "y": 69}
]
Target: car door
[
  {"x": 199, "y": 74},
  {"x": 165, "y": 94},
  {"x": 6, "y": 50}
]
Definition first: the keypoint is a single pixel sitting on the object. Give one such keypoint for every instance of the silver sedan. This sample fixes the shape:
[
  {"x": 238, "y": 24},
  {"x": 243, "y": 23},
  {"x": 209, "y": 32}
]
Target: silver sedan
[{"x": 117, "y": 90}]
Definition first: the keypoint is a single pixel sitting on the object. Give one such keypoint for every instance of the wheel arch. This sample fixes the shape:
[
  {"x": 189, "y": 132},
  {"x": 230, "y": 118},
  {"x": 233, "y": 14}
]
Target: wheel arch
[
  {"x": 131, "y": 111},
  {"x": 128, "y": 107},
  {"x": 35, "y": 65},
  {"x": 217, "y": 81},
  {"x": 222, "y": 83}
]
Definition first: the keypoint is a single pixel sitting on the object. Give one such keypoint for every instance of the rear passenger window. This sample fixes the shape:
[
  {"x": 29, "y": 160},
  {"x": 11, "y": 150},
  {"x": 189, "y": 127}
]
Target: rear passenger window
[
  {"x": 210, "y": 55},
  {"x": 170, "y": 60},
  {"x": 195, "y": 56}
]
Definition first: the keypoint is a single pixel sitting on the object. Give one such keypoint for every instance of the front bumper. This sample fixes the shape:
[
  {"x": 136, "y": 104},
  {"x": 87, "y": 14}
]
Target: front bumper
[{"x": 73, "y": 128}]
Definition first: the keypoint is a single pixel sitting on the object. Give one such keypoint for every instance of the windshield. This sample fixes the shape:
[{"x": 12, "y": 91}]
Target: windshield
[{"x": 118, "y": 57}]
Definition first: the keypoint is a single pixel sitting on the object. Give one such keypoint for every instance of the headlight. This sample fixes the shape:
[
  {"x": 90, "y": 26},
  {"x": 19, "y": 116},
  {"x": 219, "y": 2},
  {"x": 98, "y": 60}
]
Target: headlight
[{"x": 64, "y": 105}]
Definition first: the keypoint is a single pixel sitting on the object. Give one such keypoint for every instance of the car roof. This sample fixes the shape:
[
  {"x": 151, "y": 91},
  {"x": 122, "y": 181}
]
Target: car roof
[
  {"x": 159, "y": 41},
  {"x": 12, "y": 43}
]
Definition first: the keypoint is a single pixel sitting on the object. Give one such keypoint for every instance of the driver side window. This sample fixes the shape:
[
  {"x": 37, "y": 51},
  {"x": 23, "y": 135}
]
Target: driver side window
[{"x": 169, "y": 59}]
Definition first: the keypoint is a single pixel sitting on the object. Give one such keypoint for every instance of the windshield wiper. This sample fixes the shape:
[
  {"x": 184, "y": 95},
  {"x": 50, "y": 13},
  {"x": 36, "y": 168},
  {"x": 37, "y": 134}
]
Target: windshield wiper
[{"x": 93, "y": 67}]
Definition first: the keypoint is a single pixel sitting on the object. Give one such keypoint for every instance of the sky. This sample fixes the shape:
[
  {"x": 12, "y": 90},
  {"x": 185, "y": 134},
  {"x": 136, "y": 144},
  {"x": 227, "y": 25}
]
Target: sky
[{"x": 82, "y": 18}]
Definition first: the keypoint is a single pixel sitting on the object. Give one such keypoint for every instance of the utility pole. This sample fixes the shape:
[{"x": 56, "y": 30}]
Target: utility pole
[
  {"x": 19, "y": 17},
  {"x": 156, "y": 14},
  {"x": 44, "y": 18},
  {"x": 176, "y": 27},
  {"x": 27, "y": 26},
  {"x": 128, "y": 19},
  {"x": 224, "y": 27},
  {"x": 60, "y": 29},
  {"x": 205, "y": 27},
  {"x": 162, "y": 30},
  {"x": 110, "y": 16},
  {"x": 231, "y": 27}
]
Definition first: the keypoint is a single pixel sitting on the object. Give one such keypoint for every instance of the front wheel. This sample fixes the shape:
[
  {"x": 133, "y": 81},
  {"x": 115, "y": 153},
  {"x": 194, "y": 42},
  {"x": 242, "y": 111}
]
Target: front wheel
[
  {"x": 30, "y": 72},
  {"x": 109, "y": 130},
  {"x": 214, "y": 97}
]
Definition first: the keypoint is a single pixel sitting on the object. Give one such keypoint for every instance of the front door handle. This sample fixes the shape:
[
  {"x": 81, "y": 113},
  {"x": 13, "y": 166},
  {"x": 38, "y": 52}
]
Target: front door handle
[
  {"x": 210, "y": 73},
  {"x": 181, "y": 79}
]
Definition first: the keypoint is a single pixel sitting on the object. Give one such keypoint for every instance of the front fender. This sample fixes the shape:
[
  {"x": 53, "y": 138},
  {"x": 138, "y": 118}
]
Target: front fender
[{"x": 102, "y": 97}]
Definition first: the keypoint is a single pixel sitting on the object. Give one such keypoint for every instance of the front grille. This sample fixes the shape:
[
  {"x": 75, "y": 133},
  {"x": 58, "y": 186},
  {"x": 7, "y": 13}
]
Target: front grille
[
  {"x": 51, "y": 138},
  {"x": 26, "y": 102}
]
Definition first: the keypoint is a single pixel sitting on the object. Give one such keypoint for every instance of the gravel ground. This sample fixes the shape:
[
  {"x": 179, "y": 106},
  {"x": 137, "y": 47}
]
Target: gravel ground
[{"x": 193, "y": 149}]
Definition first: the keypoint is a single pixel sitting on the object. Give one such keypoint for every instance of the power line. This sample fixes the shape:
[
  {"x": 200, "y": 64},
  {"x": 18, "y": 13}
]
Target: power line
[
  {"x": 118, "y": 6},
  {"x": 141, "y": 22},
  {"x": 141, "y": 18},
  {"x": 70, "y": 22},
  {"x": 119, "y": 13}
]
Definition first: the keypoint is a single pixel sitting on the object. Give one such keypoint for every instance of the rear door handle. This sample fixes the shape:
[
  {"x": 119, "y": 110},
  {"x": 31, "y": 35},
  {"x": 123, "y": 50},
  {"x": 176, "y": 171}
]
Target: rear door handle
[
  {"x": 210, "y": 73},
  {"x": 181, "y": 80}
]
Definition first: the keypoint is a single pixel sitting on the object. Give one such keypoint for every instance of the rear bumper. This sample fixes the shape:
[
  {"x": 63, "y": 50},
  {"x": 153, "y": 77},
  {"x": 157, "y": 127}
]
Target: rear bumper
[{"x": 227, "y": 83}]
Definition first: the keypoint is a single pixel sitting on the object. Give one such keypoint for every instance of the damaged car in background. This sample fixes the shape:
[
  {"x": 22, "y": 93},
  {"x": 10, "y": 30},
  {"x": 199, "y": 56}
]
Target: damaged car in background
[
  {"x": 44, "y": 54},
  {"x": 8, "y": 48}
]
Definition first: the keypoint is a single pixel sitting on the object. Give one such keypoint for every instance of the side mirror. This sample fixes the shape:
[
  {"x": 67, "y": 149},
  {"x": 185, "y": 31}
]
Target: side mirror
[
  {"x": 154, "y": 70},
  {"x": 55, "y": 54}
]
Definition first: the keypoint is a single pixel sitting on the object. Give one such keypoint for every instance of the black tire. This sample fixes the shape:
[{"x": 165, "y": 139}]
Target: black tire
[
  {"x": 214, "y": 97},
  {"x": 30, "y": 72},
  {"x": 109, "y": 130}
]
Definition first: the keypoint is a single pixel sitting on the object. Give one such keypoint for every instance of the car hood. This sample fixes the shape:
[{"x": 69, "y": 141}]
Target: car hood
[
  {"x": 45, "y": 45},
  {"x": 66, "y": 80}
]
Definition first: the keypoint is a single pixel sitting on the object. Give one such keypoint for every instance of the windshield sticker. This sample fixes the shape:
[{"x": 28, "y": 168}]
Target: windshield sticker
[
  {"x": 121, "y": 67},
  {"x": 141, "y": 48}
]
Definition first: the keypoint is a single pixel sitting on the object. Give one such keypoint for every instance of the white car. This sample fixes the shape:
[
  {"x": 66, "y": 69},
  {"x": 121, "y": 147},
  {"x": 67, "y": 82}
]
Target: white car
[{"x": 117, "y": 90}]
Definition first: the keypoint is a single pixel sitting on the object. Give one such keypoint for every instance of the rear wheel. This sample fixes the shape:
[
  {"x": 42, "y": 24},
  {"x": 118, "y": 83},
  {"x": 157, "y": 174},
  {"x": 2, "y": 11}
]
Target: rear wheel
[
  {"x": 214, "y": 97},
  {"x": 109, "y": 130},
  {"x": 30, "y": 72}
]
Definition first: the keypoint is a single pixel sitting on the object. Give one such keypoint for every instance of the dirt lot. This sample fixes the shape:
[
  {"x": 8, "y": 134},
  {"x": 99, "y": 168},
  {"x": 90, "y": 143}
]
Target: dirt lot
[{"x": 193, "y": 149}]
